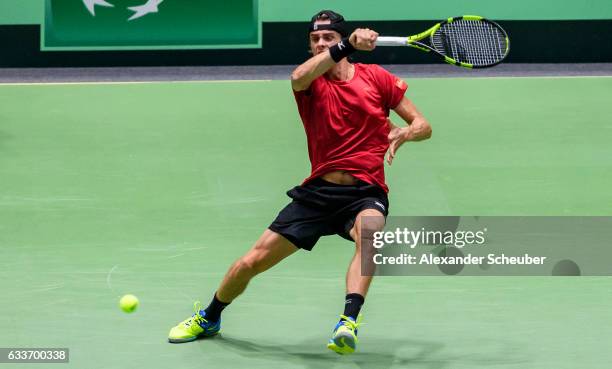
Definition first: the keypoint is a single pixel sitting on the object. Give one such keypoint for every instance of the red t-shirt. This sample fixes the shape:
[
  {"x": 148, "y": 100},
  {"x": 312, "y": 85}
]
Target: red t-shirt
[{"x": 346, "y": 122}]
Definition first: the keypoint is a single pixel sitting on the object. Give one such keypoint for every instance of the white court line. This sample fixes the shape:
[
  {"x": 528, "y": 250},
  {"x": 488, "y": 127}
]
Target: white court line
[
  {"x": 129, "y": 82},
  {"x": 510, "y": 77},
  {"x": 271, "y": 80}
]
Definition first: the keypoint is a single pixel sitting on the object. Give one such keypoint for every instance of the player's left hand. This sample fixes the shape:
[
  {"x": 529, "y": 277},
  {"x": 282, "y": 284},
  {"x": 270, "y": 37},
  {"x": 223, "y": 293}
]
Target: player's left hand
[{"x": 397, "y": 137}]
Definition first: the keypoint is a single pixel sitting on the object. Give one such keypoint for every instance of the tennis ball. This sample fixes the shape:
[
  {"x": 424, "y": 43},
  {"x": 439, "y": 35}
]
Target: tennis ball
[{"x": 128, "y": 303}]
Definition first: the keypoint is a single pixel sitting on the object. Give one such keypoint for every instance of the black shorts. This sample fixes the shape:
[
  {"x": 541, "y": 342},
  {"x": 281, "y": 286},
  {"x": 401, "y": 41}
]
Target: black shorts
[{"x": 321, "y": 208}]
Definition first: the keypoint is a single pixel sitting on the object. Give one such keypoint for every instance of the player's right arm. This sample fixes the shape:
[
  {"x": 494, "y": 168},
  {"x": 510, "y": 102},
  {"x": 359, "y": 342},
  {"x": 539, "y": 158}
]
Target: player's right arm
[
  {"x": 311, "y": 69},
  {"x": 303, "y": 75}
]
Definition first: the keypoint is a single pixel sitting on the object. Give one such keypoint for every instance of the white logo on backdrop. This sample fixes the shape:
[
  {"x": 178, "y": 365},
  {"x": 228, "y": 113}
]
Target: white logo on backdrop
[
  {"x": 90, "y": 4},
  {"x": 139, "y": 11},
  {"x": 142, "y": 10}
]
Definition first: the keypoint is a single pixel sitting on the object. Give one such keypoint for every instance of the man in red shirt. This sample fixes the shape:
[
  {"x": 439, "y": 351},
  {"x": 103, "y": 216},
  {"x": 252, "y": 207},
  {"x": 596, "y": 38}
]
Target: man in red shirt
[{"x": 345, "y": 109}]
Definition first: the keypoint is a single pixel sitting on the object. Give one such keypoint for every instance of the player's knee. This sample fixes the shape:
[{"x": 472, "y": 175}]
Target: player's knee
[
  {"x": 367, "y": 223},
  {"x": 244, "y": 268},
  {"x": 250, "y": 266}
]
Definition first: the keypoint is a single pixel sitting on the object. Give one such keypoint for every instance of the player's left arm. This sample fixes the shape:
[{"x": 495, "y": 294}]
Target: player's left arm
[{"x": 418, "y": 129}]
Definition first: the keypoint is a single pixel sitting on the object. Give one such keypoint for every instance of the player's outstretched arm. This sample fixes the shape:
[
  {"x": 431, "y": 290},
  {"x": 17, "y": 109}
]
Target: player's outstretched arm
[
  {"x": 361, "y": 39},
  {"x": 418, "y": 128}
]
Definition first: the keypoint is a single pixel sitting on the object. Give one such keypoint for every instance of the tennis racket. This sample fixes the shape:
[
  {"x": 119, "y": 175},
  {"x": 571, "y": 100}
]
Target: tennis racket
[{"x": 469, "y": 41}]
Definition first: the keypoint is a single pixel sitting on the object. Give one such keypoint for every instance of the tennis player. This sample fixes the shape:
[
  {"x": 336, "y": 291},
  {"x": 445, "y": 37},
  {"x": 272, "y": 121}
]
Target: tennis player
[{"x": 345, "y": 111}]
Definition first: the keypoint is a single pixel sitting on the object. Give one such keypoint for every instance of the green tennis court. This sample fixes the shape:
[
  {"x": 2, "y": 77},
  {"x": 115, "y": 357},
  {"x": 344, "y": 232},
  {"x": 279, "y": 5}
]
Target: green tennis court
[{"x": 155, "y": 188}]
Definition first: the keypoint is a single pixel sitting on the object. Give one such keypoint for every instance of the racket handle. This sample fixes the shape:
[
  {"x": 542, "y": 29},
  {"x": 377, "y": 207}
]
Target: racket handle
[{"x": 391, "y": 41}]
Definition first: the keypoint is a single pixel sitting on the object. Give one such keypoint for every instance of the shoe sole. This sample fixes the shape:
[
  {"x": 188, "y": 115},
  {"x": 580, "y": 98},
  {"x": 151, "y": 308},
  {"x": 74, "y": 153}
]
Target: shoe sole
[
  {"x": 191, "y": 339},
  {"x": 342, "y": 344}
]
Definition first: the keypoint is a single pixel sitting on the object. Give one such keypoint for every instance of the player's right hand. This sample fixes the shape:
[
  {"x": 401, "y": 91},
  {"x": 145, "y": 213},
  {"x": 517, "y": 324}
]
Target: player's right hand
[{"x": 363, "y": 39}]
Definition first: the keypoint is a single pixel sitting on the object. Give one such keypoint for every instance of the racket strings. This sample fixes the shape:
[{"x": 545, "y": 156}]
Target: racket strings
[{"x": 471, "y": 41}]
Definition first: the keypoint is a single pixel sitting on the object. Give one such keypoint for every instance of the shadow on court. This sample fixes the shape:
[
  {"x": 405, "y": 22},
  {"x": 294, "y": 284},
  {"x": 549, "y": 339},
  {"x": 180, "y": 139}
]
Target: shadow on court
[{"x": 382, "y": 353}]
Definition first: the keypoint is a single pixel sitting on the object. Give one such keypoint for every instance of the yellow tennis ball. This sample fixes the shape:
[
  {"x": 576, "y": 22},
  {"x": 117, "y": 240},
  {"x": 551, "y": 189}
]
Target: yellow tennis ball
[{"x": 128, "y": 303}]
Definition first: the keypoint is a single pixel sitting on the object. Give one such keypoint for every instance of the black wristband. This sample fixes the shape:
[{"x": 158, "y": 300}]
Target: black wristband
[{"x": 341, "y": 50}]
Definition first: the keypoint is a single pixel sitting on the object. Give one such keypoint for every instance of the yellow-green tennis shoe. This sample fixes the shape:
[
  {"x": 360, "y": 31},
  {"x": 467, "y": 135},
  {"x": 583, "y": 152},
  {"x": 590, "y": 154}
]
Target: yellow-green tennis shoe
[
  {"x": 344, "y": 339},
  {"x": 194, "y": 327}
]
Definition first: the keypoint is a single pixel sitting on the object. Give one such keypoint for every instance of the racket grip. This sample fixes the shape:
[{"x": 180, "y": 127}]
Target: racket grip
[{"x": 391, "y": 41}]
